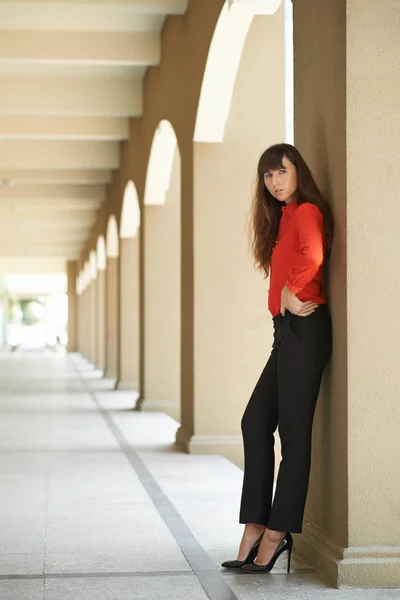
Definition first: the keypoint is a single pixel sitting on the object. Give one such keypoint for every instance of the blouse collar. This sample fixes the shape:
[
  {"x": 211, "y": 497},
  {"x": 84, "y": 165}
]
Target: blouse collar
[{"x": 290, "y": 209}]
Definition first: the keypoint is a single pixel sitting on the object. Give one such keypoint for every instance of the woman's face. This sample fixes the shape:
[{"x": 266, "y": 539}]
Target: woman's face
[{"x": 282, "y": 183}]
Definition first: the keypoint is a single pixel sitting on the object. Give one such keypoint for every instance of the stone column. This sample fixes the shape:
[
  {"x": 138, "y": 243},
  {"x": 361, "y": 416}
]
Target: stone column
[
  {"x": 80, "y": 318},
  {"x": 129, "y": 314},
  {"x": 346, "y": 62},
  {"x": 85, "y": 322},
  {"x": 231, "y": 324},
  {"x": 101, "y": 319},
  {"x": 162, "y": 352},
  {"x": 72, "y": 271},
  {"x": 112, "y": 318},
  {"x": 93, "y": 320}
]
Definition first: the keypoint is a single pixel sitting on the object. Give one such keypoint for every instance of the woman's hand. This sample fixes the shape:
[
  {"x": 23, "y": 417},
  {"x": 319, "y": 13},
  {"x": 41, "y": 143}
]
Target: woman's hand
[{"x": 297, "y": 307}]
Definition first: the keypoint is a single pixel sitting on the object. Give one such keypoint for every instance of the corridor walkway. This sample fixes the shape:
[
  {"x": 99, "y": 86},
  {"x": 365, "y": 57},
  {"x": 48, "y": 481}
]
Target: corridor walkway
[{"x": 97, "y": 505}]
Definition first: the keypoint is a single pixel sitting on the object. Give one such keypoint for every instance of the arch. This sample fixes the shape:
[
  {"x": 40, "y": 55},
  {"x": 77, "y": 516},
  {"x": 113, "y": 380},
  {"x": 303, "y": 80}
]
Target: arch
[
  {"x": 101, "y": 253},
  {"x": 159, "y": 169},
  {"x": 112, "y": 239},
  {"x": 93, "y": 265},
  {"x": 130, "y": 215},
  {"x": 223, "y": 63}
]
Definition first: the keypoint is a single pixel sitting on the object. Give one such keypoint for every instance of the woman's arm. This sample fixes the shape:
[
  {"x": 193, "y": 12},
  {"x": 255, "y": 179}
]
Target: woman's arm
[{"x": 309, "y": 223}]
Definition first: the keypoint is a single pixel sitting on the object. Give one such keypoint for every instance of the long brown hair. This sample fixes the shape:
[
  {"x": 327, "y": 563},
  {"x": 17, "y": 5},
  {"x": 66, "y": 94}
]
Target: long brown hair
[{"x": 265, "y": 212}]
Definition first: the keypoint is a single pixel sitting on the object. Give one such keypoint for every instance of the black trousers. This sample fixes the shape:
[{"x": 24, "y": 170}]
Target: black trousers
[{"x": 285, "y": 397}]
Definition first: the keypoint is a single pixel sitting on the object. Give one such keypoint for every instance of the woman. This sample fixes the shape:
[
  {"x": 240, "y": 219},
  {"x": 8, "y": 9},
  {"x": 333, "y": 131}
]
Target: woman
[{"x": 291, "y": 235}]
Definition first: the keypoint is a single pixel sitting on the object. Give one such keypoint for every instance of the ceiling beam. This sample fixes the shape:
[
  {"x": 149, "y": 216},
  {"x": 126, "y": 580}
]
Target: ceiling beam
[
  {"x": 155, "y": 7},
  {"x": 53, "y": 192},
  {"x": 97, "y": 96},
  {"x": 63, "y": 128},
  {"x": 16, "y": 154},
  {"x": 26, "y": 208},
  {"x": 11, "y": 177},
  {"x": 68, "y": 253},
  {"x": 81, "y": 47},
  {"x": 32, "y": 264},
  {"x": 60, "y": 235},
  {"x": 45, "y": 220}
]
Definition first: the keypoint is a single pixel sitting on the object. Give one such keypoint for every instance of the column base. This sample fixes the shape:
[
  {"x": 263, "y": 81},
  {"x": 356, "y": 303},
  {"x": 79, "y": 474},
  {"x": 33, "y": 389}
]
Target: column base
[
  {"x": 110, "y": 375},
  {"x": 230, "y": 446},
  {"x": 127, "y": 385},
  {"x": 171, "y": 407},
  {"x": 354, "y": 567}
]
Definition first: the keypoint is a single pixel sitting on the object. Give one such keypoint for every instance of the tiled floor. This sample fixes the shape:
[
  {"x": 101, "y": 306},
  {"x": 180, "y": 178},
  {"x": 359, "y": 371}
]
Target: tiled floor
[{"x": 95, "y": 502}]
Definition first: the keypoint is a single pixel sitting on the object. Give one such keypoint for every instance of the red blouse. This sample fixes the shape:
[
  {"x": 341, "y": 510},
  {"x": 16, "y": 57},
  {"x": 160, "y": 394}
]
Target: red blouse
[{"x": 298, "y": 256}]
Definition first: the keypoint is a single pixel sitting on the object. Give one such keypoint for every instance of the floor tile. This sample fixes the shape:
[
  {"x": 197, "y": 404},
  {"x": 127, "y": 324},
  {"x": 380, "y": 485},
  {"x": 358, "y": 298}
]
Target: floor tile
[
  {"x": 21, "y": 564},
  {"x": 125, "y": 588},
  {"x": 22, "y": 528},
  {"x": 22, "y": 590}
]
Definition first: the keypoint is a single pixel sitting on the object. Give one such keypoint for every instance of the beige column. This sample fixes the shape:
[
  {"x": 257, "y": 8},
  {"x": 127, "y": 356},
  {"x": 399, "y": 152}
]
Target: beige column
[
  {"x": 162, "y": 290},
  {"x": 87, "y": 320},
  {"x": 93, "y": 321},
  {"x": 83, "y": 322},
  {"x": 350, "y": 133},
  {"x": 80, "y": 318},
  {"x": 73, "y": 308},
  {"x": 129, "y": 314},
  {"x": 112, "y": 318},
  {"x": 101, "y": 319},
  {"x": 232, "y": 326}
]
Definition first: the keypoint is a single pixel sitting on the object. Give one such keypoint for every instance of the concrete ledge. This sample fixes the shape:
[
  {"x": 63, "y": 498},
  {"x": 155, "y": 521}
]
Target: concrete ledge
[
  {"x": 230, "y": 446},
  {"x": 346, "y": 568},
  {"x": 171, "y": 407}
]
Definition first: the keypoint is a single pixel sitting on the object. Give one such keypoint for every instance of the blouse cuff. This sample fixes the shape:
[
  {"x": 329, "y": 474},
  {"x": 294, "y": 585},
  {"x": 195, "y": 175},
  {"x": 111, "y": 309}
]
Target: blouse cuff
[{"x": 293, "y": 289}]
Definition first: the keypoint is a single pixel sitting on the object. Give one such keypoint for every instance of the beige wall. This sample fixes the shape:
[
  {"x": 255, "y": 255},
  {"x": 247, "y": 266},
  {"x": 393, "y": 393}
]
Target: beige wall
[{"x": 162, "y": 300}]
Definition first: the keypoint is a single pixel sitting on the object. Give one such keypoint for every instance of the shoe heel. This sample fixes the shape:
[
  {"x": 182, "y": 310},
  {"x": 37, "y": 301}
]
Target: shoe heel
[{"x": 288, "y": 561}]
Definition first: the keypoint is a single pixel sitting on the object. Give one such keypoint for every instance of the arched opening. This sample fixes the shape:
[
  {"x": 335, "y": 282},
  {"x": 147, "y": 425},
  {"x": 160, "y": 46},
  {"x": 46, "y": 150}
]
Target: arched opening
[
  {"x": 112, "y": 299},
  {"x": 222, "y": 65},
  {"x": 161, "y": 160},
  {"x": 241, "y": 111},
  {"x": 129, "y": 290},
  {"x": 101, "y": 255},
  {"x": 112, "y": 239},
  {"x": 162, "y": 259},
  {"x": 130, "y": 214}
]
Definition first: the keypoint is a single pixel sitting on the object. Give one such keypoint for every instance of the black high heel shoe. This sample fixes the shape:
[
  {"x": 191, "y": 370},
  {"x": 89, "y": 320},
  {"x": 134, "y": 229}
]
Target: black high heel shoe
[
  {"x": 285, "y": 544},
  {"x": 236, "y": 564}
]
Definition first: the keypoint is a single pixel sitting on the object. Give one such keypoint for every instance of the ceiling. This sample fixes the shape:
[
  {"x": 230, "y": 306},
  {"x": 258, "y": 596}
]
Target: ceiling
[{"x": 71, "y": 75}]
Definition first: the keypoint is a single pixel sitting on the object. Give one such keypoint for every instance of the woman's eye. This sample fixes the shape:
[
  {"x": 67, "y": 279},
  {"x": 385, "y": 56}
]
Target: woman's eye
[{"x": 282, "y": 172}]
